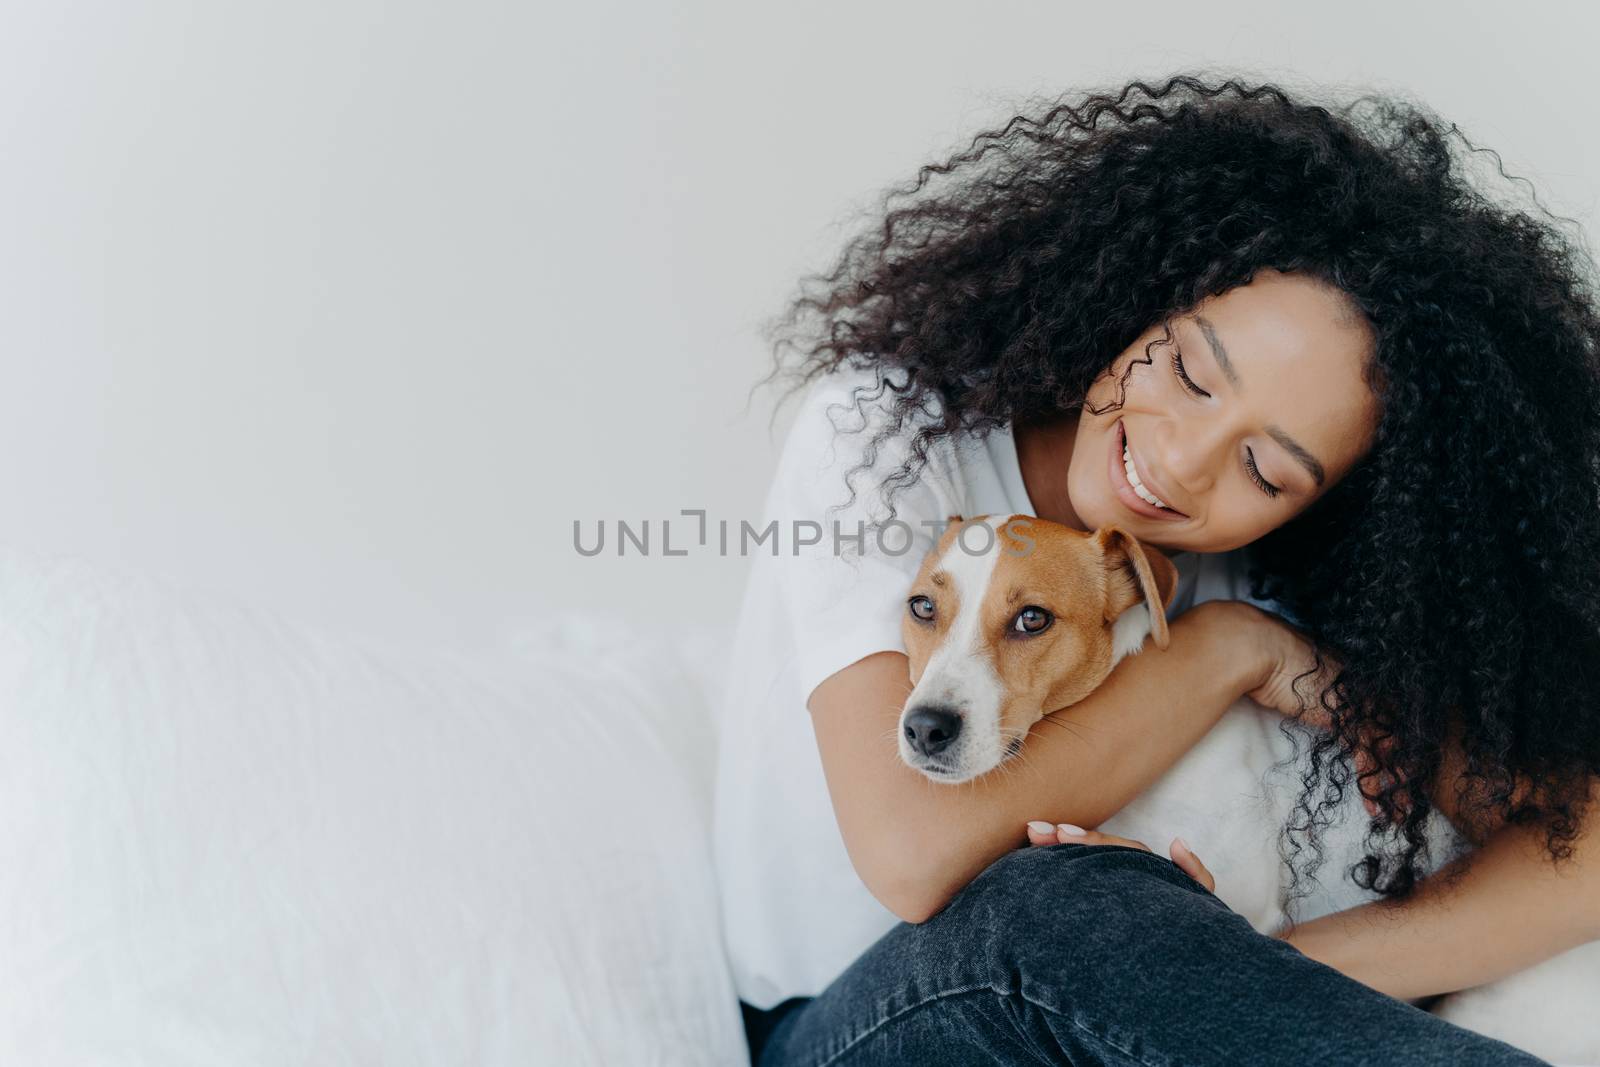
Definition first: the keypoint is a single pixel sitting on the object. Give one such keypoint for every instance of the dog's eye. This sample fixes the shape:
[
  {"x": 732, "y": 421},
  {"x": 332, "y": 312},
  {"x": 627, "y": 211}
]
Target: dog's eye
[
  {"x": 1032, "y": 620},
  {"x": 921, "y": 608}
]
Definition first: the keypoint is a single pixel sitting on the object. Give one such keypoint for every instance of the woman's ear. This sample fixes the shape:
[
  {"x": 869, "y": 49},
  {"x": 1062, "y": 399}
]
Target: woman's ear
[{"x": 1135, "y": 572}]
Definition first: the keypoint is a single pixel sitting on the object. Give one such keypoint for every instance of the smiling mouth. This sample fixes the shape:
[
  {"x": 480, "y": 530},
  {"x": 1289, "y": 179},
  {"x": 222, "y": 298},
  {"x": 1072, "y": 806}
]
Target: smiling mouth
[{"x": 1120, "y": 475}]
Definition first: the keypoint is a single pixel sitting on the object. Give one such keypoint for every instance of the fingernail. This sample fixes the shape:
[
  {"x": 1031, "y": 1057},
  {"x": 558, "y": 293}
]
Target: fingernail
[
  {"x": 1039, "y": 827},
  {"x": 1181, "y": 843},
  {"x": 1069, "y": 829}
]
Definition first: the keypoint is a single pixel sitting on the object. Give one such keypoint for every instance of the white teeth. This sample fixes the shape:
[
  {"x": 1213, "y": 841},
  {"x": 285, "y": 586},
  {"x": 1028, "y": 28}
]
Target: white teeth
[{"x": 1133, "y": 480}]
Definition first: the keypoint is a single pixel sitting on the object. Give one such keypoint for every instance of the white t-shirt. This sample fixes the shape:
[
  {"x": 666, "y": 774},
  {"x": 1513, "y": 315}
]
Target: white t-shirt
[{"x": 795, "y": 913}]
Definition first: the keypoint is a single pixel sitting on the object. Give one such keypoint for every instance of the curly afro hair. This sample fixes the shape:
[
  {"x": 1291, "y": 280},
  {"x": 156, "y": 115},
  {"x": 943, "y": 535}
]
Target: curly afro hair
[{"x": 1453, "y": 572}]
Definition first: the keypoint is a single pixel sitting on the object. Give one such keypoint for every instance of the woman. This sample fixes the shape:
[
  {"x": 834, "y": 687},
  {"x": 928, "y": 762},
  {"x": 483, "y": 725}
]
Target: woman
[{"x": 1355, "y": 393}]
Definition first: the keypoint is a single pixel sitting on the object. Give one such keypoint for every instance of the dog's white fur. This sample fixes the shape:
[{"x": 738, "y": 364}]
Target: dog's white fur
[
  {"x": 959, "y": 672},
  {"x": 1230, "y": 796}
]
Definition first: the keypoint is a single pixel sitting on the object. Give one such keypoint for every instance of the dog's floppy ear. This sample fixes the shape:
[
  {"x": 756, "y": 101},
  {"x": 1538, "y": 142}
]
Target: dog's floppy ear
[
  {"x": 951, "y": 523},
  {"x": 1134, "y": 572}
]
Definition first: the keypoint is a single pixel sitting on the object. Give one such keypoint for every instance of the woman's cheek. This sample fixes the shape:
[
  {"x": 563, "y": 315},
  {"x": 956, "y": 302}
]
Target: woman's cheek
[{"x": 1233, "y": 523}]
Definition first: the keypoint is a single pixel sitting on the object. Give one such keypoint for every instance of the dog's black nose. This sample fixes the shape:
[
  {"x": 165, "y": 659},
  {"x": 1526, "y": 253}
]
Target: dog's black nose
[{"x": 931, "y": 730}]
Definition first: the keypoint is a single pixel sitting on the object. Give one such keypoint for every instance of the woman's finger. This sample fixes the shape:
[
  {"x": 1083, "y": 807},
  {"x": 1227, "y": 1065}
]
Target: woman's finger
[
  {"x": 1371, "y": 781},
  {"x": 1190, "y": 864},
  {"x": 1043, "y": 833},
  {"x": 1068, "y": 834},
  {"x": 1065, "y": 833}
]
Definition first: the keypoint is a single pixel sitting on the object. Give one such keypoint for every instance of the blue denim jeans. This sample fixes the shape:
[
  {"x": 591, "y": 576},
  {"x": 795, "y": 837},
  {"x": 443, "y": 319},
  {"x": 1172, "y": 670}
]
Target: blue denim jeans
[{"x": 1099, "y": 954}]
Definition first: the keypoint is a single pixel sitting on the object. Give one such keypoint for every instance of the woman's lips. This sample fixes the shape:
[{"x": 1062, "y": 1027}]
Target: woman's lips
[{"x": 1124, "y": 491}]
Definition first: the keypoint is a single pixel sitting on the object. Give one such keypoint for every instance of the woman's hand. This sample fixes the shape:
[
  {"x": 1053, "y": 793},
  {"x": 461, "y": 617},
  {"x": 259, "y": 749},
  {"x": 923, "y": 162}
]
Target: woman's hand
[
  {"x": 1285, "y": 659},
  {"x": 1284, "y": 654},
  {"x": 1044, "y": 833}
]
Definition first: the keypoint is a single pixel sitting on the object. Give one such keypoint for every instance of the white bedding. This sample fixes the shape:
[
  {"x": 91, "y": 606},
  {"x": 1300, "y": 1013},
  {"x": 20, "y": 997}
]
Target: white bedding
[{"x": 225, "y": 839}]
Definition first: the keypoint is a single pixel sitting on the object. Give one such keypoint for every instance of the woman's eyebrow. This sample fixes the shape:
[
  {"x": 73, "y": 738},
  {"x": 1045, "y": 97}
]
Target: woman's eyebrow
[
  {"x": 1290, "y": 445},
  {"x": 1293, "y": 447},
  {"x": 1219, "y": 353}
]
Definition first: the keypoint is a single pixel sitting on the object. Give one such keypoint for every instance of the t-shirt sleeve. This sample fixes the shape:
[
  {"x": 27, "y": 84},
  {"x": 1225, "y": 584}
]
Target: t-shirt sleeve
[
  {"x": 1216, "y": 576},
  {"x": 845, "y": 564},
  {"x": 1239, "y": 583}
]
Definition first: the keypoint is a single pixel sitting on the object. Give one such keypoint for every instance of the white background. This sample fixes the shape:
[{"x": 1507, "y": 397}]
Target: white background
[{"x": 351, "y": 308}]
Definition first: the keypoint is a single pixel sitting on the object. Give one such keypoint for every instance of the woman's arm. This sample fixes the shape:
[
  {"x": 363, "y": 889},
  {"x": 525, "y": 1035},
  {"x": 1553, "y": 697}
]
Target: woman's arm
[
  {"x": 1501, "y": 908},
  {"x": 1512, "y": 907},
  {"x": 915, "y": 843}
]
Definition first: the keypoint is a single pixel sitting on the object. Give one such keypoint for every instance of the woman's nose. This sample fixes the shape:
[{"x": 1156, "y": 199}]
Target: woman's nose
[{"x": 1188, "y": 453}]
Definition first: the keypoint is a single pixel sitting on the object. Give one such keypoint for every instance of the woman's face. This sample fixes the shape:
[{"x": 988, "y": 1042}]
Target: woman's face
[{"x": 1274, "y": 395}]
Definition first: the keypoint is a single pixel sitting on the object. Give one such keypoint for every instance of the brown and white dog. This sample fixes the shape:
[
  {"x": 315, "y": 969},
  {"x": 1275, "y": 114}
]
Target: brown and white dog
[{"x": 1011, "y": 617}]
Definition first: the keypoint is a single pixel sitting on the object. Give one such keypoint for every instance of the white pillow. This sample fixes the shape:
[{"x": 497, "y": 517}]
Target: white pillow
[{"x": 226, "y": 839}]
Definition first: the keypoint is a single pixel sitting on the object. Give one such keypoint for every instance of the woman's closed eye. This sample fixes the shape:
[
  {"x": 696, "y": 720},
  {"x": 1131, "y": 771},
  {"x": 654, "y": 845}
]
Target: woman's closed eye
[{"x": 1250, "y": 459}]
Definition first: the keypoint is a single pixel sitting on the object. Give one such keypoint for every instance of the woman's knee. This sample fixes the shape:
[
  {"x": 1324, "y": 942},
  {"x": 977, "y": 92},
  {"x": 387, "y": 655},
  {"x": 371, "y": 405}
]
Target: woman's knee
[
  {"x": 1044, "y": 927},
  {"x": 1052, "y": 926},
  {"x": 1099, "y": 896}
]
